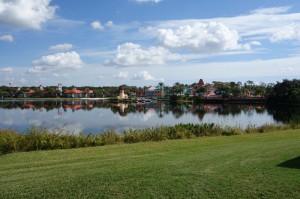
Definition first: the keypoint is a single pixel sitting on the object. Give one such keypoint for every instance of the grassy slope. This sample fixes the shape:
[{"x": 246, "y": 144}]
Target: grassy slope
[{"x": 217, "y": 167}]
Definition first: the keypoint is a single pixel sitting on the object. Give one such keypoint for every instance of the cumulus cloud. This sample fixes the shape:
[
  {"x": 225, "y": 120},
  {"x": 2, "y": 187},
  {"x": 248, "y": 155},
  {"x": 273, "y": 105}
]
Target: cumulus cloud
[
  {"x": 61, "y": 47},
  {"x": 145, "y": 76},
  {"x": 122, "y": 75},
  {"x": 290, "y": 32},
  {"x": 147, "y": 1},
  {"x": 130, "y": 54},
  {"x": 208, "y": 37},
  {"x": 57, "y": 62},
  {"x": 259, "y": 24},
  {"x": 96, "y": 25},
  {"x": 7, "y": 38},
  {"x": 6, "y": 70},
  {"x": 26, "y": 13},
  {"x": 36, "y": 70}
]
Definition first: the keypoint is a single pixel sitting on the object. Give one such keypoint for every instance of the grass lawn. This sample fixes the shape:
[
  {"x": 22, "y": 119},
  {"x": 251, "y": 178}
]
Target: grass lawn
[{"x": 244, "y": 166}]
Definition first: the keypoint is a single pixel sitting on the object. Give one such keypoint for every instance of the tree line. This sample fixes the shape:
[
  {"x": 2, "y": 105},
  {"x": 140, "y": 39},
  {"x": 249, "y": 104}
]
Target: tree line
[{"x": 281, "y": 92}]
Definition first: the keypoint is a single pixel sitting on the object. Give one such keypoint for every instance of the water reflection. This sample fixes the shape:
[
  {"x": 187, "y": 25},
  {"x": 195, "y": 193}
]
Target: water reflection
[{"x": 96, "y": 116}]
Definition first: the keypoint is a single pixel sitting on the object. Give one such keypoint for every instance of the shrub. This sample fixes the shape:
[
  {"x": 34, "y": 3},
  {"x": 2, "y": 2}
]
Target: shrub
[
  {"x": 9, "y": 141},
  {"x": 110, "y": 137},
  {"x": 43, "y": 139},
  {"x": 132, "y": 136},
  {"x": 228, "y": 130}
]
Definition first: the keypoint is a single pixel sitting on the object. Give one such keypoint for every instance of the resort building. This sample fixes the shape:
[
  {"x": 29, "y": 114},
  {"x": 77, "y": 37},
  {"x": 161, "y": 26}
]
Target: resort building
[
  {"x": 154, "y": 92},
  {"x": 122, "y": 94},
  {"x": 75, "y": 93}
]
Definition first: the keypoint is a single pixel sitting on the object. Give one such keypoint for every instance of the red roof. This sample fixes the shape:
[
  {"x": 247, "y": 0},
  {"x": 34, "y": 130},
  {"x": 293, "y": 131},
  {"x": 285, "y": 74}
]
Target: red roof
[
  {"x": 30, "y": 92},
  {"x": 74, "y": 90},
  {"x": 201, "y": 82}
]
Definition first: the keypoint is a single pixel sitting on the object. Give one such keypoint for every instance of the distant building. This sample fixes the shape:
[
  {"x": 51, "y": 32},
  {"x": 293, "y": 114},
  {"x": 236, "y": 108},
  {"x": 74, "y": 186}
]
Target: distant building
[
  {"x": 153, "y": 92},
  {"x": 201, "y": 82},
  {"x": 209, "y": 93},
  {"x": 75, "y": 93},
  {"x": 122, "y": 94},
  {"x": 59, "y": 87},
  {"x": 29, "y": 92}
]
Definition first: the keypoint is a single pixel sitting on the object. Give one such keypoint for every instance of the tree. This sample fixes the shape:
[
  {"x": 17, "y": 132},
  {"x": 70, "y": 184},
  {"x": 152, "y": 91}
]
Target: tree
[
  {"x": 4, "y": 94},
  {"x": 161, "y": 89},
  {"x": 177, "y": 88},
  {"x": 286, "y": 91},
  {"x": 236, "y": 92},
  {"x": 223, "y": 90},
  {"x": 201, "y": 91}
]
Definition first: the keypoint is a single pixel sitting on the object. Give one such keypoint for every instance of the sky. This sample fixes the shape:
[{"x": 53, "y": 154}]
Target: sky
[{"x": 144, "y": 42}]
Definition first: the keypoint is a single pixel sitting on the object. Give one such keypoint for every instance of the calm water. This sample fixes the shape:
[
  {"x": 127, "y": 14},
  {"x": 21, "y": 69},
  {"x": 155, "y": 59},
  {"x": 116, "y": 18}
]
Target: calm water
[{"x": 95, "y": 116}]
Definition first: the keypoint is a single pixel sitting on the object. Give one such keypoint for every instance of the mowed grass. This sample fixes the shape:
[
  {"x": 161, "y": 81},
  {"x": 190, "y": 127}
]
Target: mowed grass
[{"x": 243, "y": 166}]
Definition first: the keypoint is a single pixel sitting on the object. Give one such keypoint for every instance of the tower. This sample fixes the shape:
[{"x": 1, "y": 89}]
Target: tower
[{"x": 59, "y": 87}]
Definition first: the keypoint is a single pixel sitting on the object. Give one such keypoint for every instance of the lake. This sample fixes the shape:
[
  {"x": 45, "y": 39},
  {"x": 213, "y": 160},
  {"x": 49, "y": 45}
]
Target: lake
[{"x": 96, "y": 116}]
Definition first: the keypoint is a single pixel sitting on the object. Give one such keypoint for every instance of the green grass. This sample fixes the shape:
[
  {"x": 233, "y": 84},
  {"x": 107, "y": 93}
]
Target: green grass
[{"x": 242, "y": 166}]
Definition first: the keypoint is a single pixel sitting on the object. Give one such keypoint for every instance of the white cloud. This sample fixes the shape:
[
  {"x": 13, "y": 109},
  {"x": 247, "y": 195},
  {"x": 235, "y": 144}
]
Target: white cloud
[
  {"x": 61, "y": 47},
  {"x": 147, "y": 1},
  {"x": 258, "y": 25},
  {"x": 41, "y": 80},
  {"x": 65, "y": 75},
  {"x": 7, "y": 38},
  {"x": 272, "y": 10},
  {"x": 208, "y": 37},
  {"x": 22, "y": 80},
  {"x": 57, "y": 62},
  {"x": 290, "y": 32},
  {"x": 96, "y": 25},
  {"x": 109, "y": 23},
  {"x": 122, "y": 75},
  {"x": 145, "y": 76},
  {"x": 26, "y": 13},
  {"x": 130, "y": 54},
  {"x": 6, "y": 70},
  {"x": 36, "y": 69}
]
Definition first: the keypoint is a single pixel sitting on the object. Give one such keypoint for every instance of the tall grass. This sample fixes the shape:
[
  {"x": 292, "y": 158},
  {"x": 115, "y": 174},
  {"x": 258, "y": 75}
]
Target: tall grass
[{"x": 43, "y": 139}]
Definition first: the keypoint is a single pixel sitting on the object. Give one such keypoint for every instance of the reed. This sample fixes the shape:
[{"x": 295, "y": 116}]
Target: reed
[{"x": 43, "y": 139}]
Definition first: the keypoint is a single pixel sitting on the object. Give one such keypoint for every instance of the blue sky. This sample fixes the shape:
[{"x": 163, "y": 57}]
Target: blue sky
[{"x": 143, "y": 42}]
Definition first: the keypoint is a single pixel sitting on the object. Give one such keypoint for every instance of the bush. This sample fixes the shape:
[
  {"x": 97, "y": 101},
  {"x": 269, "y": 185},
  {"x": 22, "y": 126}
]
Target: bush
[
  {"x": 132, "y": 136},
  {"x": 228, "y": 130},
  {"x": 110, "y": 137},
  {"x": 43, "y": 139},
  {"x": 9, "y": 141}
]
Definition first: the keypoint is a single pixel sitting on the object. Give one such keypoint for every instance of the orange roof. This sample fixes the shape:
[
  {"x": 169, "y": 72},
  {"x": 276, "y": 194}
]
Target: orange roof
[
  {"x": 74, "y": 90},
  {"x": 30, "y": 92}
]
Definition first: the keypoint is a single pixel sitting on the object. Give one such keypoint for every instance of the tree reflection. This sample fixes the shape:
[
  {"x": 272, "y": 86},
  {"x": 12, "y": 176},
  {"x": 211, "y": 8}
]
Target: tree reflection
[
  {"x": 285, "y": 113},
  {"x": 161, "y": 109}
]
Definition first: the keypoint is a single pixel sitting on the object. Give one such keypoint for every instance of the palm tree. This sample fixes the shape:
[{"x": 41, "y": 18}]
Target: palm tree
[
  {"x": 178, "y": 88},
  {"x": 161, "y": 88}
]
